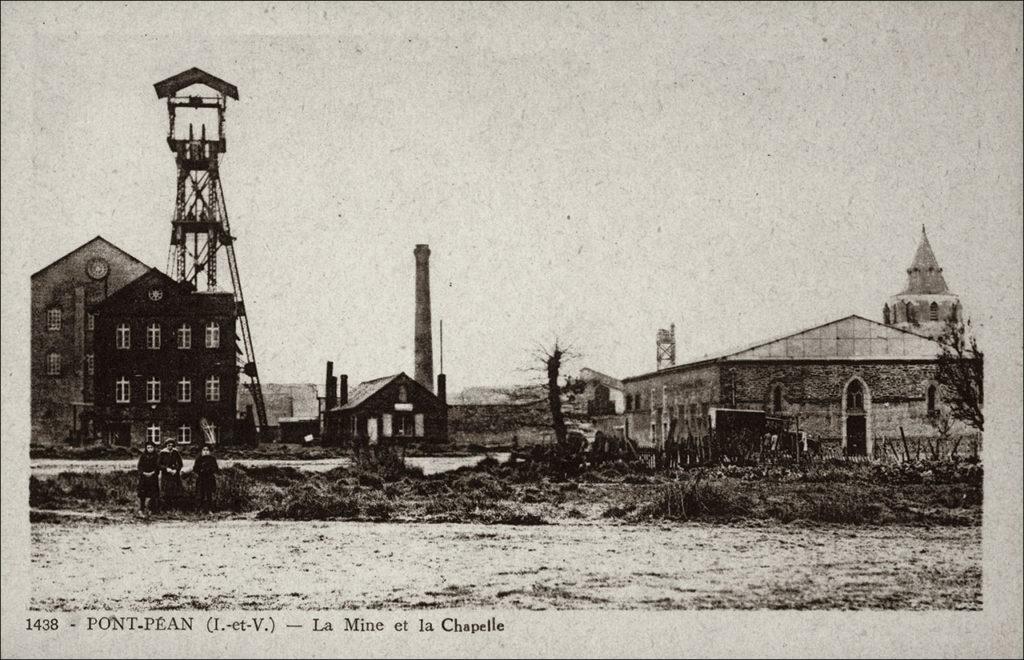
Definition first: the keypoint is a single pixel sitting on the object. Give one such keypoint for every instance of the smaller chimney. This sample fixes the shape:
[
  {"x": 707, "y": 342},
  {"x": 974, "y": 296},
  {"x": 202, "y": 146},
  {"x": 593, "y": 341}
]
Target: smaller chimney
[
  {"x": 343, "y": 390},
  {"x": 442, "y": 388},
  {"x": 330, "y": 388}
]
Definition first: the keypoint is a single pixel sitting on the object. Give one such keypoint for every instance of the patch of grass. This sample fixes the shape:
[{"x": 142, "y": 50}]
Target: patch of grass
[{"x": 313, "y": 500}]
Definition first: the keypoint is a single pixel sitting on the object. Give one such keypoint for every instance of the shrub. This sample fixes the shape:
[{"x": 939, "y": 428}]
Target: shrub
[{"x": 313, "y": 500}]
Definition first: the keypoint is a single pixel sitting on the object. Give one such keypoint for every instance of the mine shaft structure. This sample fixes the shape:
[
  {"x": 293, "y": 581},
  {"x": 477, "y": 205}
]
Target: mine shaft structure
[{"x": 200, "y": 230}]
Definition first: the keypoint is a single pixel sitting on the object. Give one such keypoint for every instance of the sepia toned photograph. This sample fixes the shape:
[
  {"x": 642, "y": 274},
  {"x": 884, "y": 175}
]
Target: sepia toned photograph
[{"x": 417, "y": 318}]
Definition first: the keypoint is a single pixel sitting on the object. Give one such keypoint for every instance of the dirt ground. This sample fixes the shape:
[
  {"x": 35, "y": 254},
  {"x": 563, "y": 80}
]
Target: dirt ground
[{"x": 250, "y": 564}]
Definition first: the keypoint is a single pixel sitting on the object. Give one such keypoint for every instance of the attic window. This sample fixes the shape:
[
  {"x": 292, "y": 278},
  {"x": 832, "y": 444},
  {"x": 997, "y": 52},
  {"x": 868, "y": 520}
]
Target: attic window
[{"x": 403, "y": 395}]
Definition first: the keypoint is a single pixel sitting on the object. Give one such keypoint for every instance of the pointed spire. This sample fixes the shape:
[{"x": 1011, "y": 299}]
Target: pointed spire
[{"x": 925, "y": 274}]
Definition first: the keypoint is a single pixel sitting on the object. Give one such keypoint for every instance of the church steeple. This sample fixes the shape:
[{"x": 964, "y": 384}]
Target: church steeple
[
  {"x": 925, "y": 275},
  {"x": 926, "y": 303}
]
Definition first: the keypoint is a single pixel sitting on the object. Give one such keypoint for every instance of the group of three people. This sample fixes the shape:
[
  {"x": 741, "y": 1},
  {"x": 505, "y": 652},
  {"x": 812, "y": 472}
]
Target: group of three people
[{"x": 160, "y": 481}]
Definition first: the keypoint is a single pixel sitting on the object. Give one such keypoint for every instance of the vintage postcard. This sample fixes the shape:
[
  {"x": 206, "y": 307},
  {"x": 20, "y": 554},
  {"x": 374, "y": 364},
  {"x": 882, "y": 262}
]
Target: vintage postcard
[{"x": 512, "y": 329}]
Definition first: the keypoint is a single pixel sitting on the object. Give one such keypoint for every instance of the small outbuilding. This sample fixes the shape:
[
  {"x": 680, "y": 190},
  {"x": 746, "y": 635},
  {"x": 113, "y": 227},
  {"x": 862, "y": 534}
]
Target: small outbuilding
[{"x": 388, "y": 409}]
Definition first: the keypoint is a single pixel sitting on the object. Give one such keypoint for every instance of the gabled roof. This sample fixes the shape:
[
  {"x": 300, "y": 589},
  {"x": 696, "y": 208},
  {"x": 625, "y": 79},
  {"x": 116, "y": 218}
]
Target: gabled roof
[
  {"x": 588, "y": 374},
  {"x": 850, "y": 338},
  {"x": 365, "y": 390},
  {"x": 924, "y": 275},
  {"x": 83, "y": 246},
  {"x": 145, "y": 279},
  {"x": 194, "y": 76}
]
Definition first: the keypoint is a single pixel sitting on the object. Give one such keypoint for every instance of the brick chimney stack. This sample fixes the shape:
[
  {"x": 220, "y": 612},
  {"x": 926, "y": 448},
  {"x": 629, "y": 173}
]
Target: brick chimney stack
[{"x": 424, "y": 348}]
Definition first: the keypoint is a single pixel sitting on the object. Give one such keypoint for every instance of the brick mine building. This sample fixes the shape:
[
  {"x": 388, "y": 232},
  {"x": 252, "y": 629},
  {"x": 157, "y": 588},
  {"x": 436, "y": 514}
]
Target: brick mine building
[
  {"x": 166, "y": 363},
  {"x": 848, "y": 382},
  {"x": 62, "y": 356}
]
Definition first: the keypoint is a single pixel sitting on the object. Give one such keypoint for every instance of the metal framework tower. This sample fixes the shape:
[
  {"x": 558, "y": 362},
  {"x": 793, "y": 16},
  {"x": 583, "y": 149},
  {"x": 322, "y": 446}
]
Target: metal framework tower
[
  {"x": 200, "y": 228},
  {"x": 666, "y": 345}
]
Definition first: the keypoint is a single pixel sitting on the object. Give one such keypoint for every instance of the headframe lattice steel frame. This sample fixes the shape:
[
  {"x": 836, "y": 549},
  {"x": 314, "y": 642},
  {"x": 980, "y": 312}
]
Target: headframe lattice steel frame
[{"x": 200, "y": 226}]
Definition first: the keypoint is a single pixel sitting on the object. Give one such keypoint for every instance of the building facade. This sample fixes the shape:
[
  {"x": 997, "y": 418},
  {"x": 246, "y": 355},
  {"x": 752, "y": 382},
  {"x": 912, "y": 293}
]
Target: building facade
[
  {"x": 385, "y": 410},
  {"x": 62, "y": 356},
  {"x": 166, "y": 365},
  {"x": 846, "y": 383}
]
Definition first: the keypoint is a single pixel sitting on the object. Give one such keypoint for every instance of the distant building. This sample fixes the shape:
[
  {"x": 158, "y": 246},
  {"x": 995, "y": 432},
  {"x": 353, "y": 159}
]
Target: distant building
[
  {"x": 294, "y": 402},
  {"x": 166, "y": 365},
  {"x": 601, "y": 394},
  {"x": 389, "y": 408},
  {"x": 63, "y": 359}
]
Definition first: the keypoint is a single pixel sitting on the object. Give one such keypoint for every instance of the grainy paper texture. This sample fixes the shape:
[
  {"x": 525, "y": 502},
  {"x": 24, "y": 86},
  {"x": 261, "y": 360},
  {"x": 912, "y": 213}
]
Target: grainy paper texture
[{"x": 582, "y": 173}]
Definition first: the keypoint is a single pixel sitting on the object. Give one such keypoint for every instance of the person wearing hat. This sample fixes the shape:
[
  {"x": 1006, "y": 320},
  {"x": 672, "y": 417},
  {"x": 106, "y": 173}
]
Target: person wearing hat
[
  {"x": 170, "y": 475},
  {"x": 149, "y": 480},
  {"x": 205, "y": 468}
]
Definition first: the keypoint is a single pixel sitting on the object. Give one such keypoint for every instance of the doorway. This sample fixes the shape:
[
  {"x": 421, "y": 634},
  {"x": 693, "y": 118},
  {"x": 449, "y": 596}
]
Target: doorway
[{"x": 856, "y": 435}]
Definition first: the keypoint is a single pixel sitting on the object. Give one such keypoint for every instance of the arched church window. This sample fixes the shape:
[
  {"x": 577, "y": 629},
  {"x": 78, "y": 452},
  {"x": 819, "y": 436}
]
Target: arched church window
[
  {"x": 886, "y": 318},
  {"x": 855, "y": 396},
  {"x": 933, "y": 312},
  {"x": 911, "y": 313},
  {"x": 777, "y": 399},
  {"x": 931, "y": 398}
]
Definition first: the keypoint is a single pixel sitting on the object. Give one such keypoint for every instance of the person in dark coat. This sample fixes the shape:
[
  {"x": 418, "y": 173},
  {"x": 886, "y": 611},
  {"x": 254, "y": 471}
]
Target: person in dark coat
[
  {"x": 205, "y": 469},
  {"x": 149, "y": 480},
  {"x": 171, "y": 489}
]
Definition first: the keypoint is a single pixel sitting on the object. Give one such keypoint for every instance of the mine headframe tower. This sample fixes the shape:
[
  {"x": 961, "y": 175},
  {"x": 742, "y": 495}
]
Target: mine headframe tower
[{"x": 200, "y": 228}]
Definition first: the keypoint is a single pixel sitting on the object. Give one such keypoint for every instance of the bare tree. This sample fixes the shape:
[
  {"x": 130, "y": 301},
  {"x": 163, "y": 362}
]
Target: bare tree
[
  {"x": 552, "y": 360},
  {"x": 961, "y": 373}
]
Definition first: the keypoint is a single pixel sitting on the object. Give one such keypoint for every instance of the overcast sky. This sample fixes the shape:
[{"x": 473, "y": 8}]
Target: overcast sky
[{"x": 592, "y": 172}]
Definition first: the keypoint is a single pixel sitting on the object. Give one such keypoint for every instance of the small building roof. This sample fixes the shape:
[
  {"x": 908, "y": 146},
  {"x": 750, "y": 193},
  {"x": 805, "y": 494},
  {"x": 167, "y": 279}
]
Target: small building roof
[
  {"x": 194, "y": 76},
  {"x": 588, "y": 374},
  {"x": 365, "y": 390}
]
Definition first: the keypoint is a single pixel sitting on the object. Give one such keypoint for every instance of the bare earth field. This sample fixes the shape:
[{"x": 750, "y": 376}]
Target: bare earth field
[{"x": 254, "y": 564}]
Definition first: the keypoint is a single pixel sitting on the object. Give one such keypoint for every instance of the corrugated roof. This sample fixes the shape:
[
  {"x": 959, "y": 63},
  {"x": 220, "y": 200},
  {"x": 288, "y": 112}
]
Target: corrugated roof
[{"x": 851, "y": 337}]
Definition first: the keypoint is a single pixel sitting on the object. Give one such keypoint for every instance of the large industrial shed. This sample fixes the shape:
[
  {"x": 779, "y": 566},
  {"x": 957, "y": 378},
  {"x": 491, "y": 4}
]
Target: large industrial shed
[{"x": 849, "y": 381}]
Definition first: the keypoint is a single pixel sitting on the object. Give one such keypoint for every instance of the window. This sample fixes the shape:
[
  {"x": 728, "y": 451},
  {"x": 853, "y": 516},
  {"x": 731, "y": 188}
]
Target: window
[
  {"x": 90, "y": 364},
  {"x": 212, "y": 335},
  {"x": 184, "y": 390},
  {"x": 911, "y": 313},
  {"x": 90, "y": 322},
  {"x": 53, "y": 364},
  {"x": 153, "y": 390},
  {"x": 933, "y": 312},
  {"x": 931, "y": 399},
  {"x": 403, "y": 395},
  {"x": 886, "y": 318},
  {"x": 153, "y": 336},
  {"x": 387, "y": 425},
  {"x": 855, "y": 396},
  {"x": 153, "y": 433},
  {"x": 777, "y": 399},
  {"x": 123, "y": 336},
  {"x": 419, "y": 423},
  {"x": 213, "y": 388},
  {"x": 53, "y": 319},
  {"x": 184, "y": 434},
  {"x": 185, "y": 336},
  {"x": 355, "y": 426},
  {"x": 122, "y": 390}
]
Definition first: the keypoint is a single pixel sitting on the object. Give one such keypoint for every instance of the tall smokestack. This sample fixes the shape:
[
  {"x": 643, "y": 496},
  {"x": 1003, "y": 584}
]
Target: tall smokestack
[
  {"x": 424, "y": 343},
  {"x": 330, "y": 388}
]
